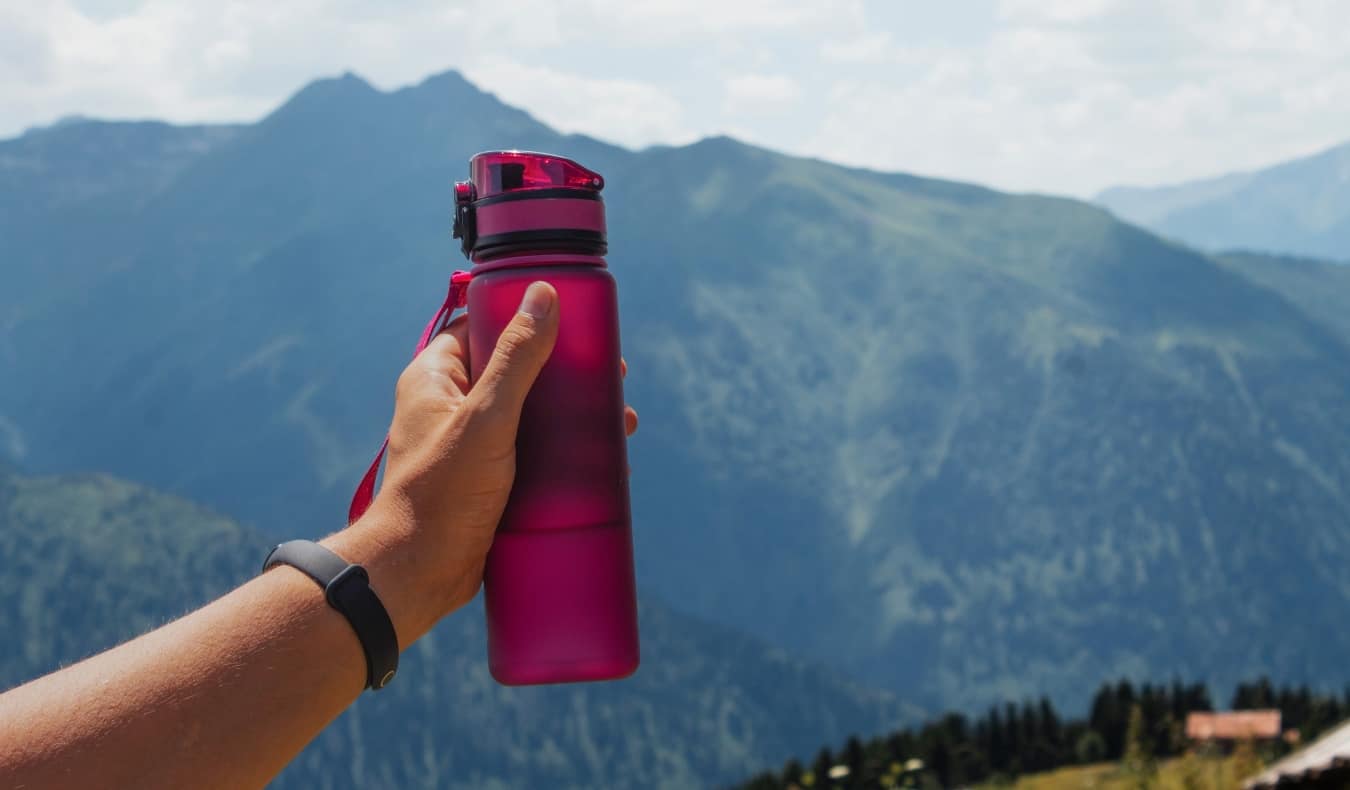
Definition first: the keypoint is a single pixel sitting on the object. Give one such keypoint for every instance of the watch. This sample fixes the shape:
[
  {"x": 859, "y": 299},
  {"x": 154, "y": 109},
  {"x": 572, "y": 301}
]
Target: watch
[{"x": 347, "y": 588}]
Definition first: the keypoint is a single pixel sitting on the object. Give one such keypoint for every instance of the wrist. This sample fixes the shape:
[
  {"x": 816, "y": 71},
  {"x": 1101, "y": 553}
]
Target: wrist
[{"x": 401, "y": 573}]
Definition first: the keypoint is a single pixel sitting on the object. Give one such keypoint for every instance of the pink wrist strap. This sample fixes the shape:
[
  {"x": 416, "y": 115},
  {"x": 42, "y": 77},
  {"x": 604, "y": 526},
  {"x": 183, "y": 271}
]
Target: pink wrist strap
[{"x": 454, "y": 299}]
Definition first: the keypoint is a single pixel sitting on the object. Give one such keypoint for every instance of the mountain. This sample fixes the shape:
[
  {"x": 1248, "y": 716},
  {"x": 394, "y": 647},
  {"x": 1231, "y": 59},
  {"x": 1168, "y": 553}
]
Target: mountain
[
  {"x": 92, "y": 560},
  {"x": 1319, "y": 288},
  {"x": 1300, "y": 207},
  {"x": 962, "y": 444}
]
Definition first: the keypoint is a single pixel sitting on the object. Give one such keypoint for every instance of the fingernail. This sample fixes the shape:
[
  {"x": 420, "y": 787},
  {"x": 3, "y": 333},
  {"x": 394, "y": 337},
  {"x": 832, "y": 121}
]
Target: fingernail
[{"x": 538, "y": 300}]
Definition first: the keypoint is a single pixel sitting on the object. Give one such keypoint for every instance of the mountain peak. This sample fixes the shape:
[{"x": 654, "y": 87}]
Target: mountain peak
[
  {"x": 347, "y": 83},
  {"x": 722, "y": 143},
  {"x": 452, "y": 86},
  {"x": 450, "y": 79},
  {"x": 718, "y": 147},
  {"x": 346, "y": 87}
]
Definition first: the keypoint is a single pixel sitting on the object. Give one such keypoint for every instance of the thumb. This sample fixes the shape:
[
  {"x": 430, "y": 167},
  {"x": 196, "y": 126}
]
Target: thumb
[{"x": 522, "y": 349}]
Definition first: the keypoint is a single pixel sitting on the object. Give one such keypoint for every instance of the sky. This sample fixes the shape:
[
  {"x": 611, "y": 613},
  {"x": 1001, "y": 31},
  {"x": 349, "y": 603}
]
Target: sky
[{"x": 1061, "y": 96}]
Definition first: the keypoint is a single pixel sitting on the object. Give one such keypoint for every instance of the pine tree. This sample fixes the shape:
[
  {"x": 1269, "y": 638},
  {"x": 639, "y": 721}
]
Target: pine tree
[
  {"x": 1138, "y": 762},
  {"x": 1011, "y": 738},
  {"x": 854, "y": 759},
  {"x": 820, "y": 768},
  {"x": 1266, "y": 693},
  {"x": 1117, "y": 712},
  {"x": 998, "y": 744},
  {"x": 1251, "y": 696},
  {"x": 900, "y": 746},
  {"x": 1052, "y": 731},
  {"x": 1302, "y": 705},
  {"x": 1176, "y": 699},
  {"x": 1174, "y": 735},
  {"x": 1103, "y": 717},
  {"x": 1198, "y": 699},
  {"x": 955, "y": 728},
  {"x": 1125, "y": 696},
  {"x": 940, "y": 762}
]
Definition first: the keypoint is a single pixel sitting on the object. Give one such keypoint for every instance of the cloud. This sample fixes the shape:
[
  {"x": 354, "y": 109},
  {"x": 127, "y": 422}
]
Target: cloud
[
  {"x": 629, "y": 112},
  {"x": 760, "y": 91},
  {"x": 873, "y": 46},
  {"x": 667, "y": 19},
  {"x": 1052, "y": 95},
  {"x": 1054, "y": 10},
  {"x": 1071, "y": 96}
]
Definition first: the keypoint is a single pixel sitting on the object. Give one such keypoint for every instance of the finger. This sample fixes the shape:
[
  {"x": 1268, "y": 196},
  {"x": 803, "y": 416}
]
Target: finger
[
  {"x": 522, "y": 349},
  {"x": 630, "y": 420},
  {"x": 623, "y": 367},
  {"x": 448, "y": 353},
  {"x": 451, "y": 342}
]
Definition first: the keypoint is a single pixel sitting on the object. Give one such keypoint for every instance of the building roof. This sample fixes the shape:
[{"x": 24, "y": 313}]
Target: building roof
[
  {"x": 1326, "y": 755},
  {"x": 1233, "y": 725}
]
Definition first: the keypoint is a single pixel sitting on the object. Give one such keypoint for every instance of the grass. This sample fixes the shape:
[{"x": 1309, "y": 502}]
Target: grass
[{"x": 1184, "y": 773}]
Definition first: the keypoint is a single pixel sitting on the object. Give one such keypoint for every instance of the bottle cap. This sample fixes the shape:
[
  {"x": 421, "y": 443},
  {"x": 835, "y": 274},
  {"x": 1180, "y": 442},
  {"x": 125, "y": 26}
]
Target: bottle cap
[
  {"x": 523, "y": 202},
  {"x": 495, "y": 172}
]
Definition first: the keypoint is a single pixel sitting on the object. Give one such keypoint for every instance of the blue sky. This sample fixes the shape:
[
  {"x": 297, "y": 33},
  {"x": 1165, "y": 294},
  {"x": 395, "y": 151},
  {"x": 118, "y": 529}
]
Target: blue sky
[{"x": 1065, "y": 96}]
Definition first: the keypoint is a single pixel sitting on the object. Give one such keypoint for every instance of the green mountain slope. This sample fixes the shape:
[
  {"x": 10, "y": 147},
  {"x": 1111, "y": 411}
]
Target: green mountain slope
[
  {"x": 93, "y": 560},
  {"x": 1319, "y": 288},
  {"x": 968, "y": 445},
  {"x": 1301, "y": 206},
  {"x": 1042, "y": 443}
]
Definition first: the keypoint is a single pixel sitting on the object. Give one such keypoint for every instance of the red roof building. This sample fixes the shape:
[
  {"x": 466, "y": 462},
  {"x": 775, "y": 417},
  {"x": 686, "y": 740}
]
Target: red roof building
[{"x": 1234, "y": 725}]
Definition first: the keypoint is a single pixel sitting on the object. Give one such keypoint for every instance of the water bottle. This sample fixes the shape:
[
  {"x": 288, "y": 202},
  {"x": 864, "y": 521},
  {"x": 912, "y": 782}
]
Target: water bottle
[{"x": 559, "y": 585}]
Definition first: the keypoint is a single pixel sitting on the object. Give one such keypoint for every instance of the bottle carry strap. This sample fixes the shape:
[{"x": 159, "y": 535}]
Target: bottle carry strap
[{"x": 455, "y": 298}]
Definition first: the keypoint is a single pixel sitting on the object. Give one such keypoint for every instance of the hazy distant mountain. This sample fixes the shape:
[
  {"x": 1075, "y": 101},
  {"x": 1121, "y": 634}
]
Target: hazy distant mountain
[
  {"x": 1301, "y": 207},
  {"x": 92, "y": 560},
  {"x": 965, "y": 444}
]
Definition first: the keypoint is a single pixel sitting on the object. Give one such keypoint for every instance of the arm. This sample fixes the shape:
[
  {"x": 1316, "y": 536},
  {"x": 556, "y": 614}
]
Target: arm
[{"x": 227, "y": 695}]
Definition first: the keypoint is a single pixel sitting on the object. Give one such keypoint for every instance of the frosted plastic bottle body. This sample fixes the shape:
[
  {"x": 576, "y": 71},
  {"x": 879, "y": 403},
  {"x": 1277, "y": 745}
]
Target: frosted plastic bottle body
[{"x": 559, "y": 583}]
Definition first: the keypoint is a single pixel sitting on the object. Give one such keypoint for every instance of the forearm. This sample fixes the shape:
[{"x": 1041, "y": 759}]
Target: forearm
[
  {"x": 227, "y": 695},
  {"x": 223, "y": 697}
]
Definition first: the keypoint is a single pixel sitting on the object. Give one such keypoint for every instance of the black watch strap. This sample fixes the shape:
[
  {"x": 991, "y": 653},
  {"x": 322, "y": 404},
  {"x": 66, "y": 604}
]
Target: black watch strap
[{"x": 347, "y": 588}]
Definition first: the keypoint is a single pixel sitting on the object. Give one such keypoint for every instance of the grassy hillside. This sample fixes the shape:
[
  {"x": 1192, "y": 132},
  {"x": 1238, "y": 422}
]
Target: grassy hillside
[{"x": 1187, "y": 773}]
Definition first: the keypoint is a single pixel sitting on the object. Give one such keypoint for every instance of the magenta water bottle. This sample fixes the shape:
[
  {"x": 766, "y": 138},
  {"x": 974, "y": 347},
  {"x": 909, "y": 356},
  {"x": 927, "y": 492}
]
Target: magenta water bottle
[{"x": 559, "y": 584}]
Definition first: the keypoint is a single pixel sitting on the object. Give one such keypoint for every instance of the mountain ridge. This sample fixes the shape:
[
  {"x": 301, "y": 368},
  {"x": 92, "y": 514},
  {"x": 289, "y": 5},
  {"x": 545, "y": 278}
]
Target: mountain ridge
[
  {"x": 1298, "y": 206},
  {"x": 959, "y": 443}
]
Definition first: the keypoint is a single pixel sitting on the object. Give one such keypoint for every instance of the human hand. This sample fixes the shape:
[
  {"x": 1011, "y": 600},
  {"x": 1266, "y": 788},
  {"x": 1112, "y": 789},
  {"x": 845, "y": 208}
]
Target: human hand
[{"x": 452, "y": 453}]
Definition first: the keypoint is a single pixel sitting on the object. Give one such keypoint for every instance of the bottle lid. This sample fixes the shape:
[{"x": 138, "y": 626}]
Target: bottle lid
[
  {"x": 497, "y": 172},
  {"x": 521, "y": 202}
]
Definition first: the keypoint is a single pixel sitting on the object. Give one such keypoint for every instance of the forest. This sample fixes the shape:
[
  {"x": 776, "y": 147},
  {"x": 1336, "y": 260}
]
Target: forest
[{"x": 1136, "y": 725}]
